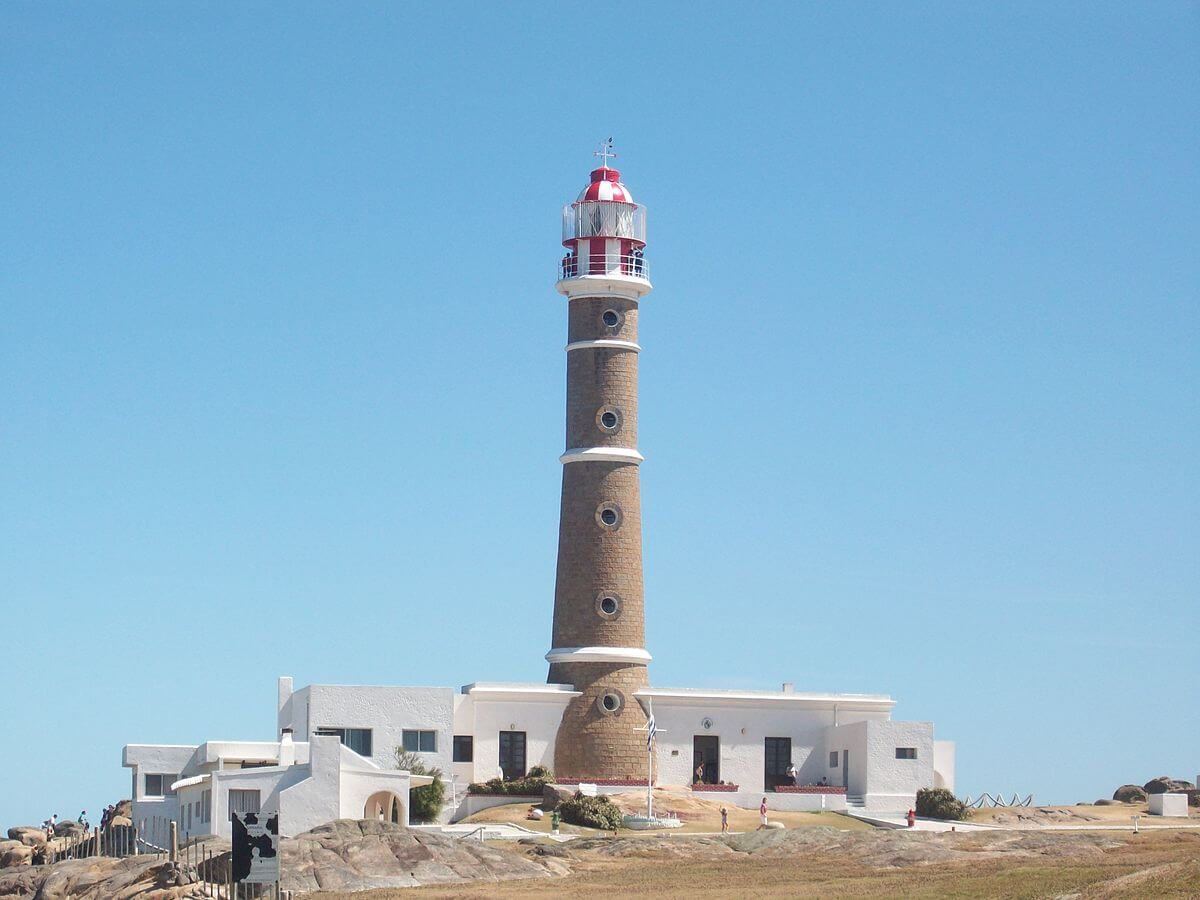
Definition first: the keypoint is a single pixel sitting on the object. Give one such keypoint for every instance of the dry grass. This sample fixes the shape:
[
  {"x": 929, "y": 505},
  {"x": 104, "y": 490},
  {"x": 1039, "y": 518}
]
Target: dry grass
[
  {"x": 1162, "y": 864},
  {"x": 699, "y": 818}
]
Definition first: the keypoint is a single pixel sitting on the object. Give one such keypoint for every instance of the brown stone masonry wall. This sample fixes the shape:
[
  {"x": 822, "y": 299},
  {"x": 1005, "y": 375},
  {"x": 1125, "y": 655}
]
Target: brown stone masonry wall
[
  {"x": 593, "y": 744},
  {"x": 592, "y": 559}
]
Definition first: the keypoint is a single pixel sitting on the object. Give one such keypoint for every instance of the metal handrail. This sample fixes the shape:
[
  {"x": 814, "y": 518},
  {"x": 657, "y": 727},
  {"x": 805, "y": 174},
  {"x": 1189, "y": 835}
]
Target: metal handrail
[{"x": 630, "y": 265}]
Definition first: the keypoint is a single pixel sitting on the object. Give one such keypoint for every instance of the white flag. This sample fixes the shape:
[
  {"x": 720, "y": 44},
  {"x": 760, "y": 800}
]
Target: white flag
[{"x": 651, "y": 730}]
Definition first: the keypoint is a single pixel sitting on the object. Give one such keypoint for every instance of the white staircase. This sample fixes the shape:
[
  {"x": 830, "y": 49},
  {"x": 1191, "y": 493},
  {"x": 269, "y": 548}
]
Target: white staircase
[{"x": 855, "y": 801}]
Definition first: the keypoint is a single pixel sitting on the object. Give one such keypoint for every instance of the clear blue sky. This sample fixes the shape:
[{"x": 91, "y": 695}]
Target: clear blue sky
[{"x": 283, "y": 375}]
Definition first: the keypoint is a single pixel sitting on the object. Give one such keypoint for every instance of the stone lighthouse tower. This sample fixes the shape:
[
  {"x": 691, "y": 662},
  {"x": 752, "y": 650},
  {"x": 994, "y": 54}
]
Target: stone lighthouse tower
[{"x": 599, "y": 623}]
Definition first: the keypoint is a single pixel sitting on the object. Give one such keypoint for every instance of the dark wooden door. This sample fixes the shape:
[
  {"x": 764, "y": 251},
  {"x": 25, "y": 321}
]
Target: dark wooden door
[
  {"x": 777, "y": 756},
  {"x": 706, "y": 748},
  {"x": 512, "y": 754}
]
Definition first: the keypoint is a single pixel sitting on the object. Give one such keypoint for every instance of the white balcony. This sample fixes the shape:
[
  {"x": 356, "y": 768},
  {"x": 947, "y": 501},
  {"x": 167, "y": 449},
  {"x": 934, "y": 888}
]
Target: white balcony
[{"x": 604, "y": 265}]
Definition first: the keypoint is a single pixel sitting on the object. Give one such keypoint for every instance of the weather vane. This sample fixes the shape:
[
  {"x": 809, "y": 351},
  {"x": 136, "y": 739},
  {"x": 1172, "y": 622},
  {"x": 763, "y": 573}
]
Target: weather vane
[{"x": 605, "y": 151}]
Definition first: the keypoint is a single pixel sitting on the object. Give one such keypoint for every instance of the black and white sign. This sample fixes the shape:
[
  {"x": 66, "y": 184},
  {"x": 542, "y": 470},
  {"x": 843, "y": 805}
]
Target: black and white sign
[{"x": 256, "y": 847}]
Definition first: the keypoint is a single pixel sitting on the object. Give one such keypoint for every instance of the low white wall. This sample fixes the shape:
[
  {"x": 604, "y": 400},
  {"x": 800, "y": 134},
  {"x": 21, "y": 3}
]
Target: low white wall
[{"x": 775, "y": 801}]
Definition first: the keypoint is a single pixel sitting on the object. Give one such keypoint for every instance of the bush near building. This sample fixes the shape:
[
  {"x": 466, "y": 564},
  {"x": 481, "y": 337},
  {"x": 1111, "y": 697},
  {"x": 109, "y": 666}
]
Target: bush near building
[
  {"x": 529, "y": 786},
  {"x": 591, "y": 812},
  {"x": 424, "y": 803},
  {"x": 939, "y": 803}
]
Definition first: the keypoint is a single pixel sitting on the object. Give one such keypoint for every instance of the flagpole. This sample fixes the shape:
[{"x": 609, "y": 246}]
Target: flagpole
[{"x": 650, "y": 764}]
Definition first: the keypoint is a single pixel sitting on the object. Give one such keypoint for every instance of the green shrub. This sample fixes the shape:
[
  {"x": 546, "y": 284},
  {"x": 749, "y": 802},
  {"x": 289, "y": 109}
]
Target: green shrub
[
  {"x": 591, "y": 812},
  {"x": 939, "y": 803},
  {"x": 424, "y": 803},
  {"x": 529, "y": 786}
]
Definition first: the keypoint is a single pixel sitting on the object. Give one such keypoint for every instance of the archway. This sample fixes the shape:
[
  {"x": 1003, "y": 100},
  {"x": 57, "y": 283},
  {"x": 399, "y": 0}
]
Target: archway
[{"x": 384, "y": 806}]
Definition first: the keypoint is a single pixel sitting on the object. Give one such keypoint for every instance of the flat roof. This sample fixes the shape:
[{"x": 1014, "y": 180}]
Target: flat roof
[{"x": 811, "y": 698}]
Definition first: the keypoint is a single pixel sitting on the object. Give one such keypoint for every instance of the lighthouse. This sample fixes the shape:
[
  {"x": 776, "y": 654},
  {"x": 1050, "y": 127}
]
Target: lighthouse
[{"x": 598, "y": 640}]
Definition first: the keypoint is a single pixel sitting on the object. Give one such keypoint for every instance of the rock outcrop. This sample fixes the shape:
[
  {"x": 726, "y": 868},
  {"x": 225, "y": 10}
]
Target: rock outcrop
[
  {"x": 1130, "y": 793},
  {"x": 100, "y": 878},
  {"x": 351, "y": 855},
  {"x": 14, "y": 853},
  {"x": 30, "y": 835},
  {"x": 1165, "y": 784}
]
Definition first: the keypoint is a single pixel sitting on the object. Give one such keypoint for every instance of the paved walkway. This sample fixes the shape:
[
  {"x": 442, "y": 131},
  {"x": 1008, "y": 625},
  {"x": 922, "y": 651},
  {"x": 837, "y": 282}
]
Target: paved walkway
[
  {"x": 499, "y": 831},
  {"x": 895, "y": 820}
]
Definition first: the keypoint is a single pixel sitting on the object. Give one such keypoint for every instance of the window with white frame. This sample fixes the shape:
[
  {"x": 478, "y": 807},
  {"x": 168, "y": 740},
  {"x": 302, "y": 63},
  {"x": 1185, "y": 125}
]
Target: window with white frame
[
  {"x": 420, "y": 741},
  {"x": 833, "y": 759},
  {"x": 242, "y": 802},
  {"x": 357, "y": 739},
  {"x": 906, "y": 753}
]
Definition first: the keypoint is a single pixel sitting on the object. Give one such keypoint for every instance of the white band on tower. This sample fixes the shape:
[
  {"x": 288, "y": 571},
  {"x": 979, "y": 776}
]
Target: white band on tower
[
  {"x": 602, "y": 454},
  {"x": 598, "y": 654},
  {"x": 604, "y": 344}
]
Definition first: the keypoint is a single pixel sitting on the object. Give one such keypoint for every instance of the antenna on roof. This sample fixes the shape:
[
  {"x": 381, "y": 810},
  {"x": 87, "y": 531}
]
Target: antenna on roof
[{"x": 605, "y": 151}]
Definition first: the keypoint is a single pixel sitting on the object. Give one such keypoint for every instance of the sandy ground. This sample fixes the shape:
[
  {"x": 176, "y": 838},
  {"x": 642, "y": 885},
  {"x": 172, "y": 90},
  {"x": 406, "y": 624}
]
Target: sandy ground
[
  {"x": 1018, "y": 817},
  {"x": 699, "y": 816},
  {"x": 822, "y": 863}
]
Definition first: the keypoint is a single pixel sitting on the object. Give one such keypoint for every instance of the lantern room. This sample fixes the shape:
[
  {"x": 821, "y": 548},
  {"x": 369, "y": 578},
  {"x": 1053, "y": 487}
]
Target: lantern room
[{"x": 604, "y": 233}]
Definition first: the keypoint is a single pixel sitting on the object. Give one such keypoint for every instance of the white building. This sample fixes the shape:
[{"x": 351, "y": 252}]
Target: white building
[
  {"x": 309, "y": 782},
  {"x": 845, "y": 748}
]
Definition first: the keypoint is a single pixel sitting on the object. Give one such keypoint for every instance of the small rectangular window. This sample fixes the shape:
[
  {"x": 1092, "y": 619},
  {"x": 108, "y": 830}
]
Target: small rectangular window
[
  {"x": 159, "y": 785},
  {"x": 356, "y": 739},
  {"x": 906, "y": 753},
  {"x": 464, "y": 748},
  {"x": 833, "y": 759},
  {"x": 242, "y": 802},
  {"x": 420, "y": 741}
]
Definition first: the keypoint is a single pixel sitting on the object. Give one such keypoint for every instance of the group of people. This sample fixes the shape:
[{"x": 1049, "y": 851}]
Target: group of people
[
  {"x": 51, "y": 824},
  {"x": 762, "y": 816},
  {"x": 792, "y": 778}
]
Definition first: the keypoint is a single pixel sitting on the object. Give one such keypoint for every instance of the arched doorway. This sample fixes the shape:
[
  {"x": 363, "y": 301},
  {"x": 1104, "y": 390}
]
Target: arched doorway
[{"x": 384, "y": 806}]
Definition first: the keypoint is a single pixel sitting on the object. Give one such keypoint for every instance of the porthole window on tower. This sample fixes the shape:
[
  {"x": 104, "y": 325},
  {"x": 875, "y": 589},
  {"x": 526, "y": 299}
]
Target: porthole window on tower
[
  {"x": 608, "y": 605},
  {"x": 610, "y": 702},
  {"x": 608, "y": 419},
  {"x": 611, "y": 319},
  {"x": 608, "y": 516}
]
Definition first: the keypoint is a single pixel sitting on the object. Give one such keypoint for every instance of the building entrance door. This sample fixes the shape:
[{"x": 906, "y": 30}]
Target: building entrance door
[
  {"x": 706, "y": 749},
  {"x": 845, "y": 768},
  {"x": 777, "y": 756},
  {"x": 512, "y": 754}
]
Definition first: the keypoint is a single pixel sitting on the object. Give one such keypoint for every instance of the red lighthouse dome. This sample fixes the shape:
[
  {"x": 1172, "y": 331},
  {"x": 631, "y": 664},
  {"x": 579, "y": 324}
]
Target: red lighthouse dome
[{"x": 605, "y": 185}]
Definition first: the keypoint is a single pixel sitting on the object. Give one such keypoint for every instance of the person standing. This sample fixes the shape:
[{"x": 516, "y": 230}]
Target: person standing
[
  {"x": 724, "y": 820},
  {"x": 762, "y": 813},
  {"x": 791, "y": 774},
  {"x": 699, "y": 773}
]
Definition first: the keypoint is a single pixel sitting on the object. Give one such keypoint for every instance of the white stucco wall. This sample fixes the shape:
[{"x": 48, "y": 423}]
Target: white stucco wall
[
  {"x": 539, "y": 720},
  {"x": 742, "y": 725},
  {"x": 944, "y": 759},
  {"x": 387, "y": 711}
]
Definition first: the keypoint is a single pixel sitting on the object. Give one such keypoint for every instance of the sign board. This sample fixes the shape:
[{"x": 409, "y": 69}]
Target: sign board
[{"x": 256, "y": 847}]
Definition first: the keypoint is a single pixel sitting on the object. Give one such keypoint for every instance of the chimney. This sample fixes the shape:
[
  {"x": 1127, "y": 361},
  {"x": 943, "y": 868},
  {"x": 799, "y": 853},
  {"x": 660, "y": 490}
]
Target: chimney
[
  {"x": 789, "y": 687},
  {"x": 287, "y": 750}
]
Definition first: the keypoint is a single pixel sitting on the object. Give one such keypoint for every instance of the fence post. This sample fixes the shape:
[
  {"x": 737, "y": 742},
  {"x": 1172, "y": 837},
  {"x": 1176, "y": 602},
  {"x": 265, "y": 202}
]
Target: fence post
[{"x": 174, "y": 845}]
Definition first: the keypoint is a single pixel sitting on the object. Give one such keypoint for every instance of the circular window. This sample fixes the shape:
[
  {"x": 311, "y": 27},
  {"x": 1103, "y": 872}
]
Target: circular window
[
  {"x": 610, "y": 702},
  {"x": 611, "y": 319},
  {"x": 608, "y": 516},
  {"x": 608, "y": 419},
  {"x": 608, "y": 605}
]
